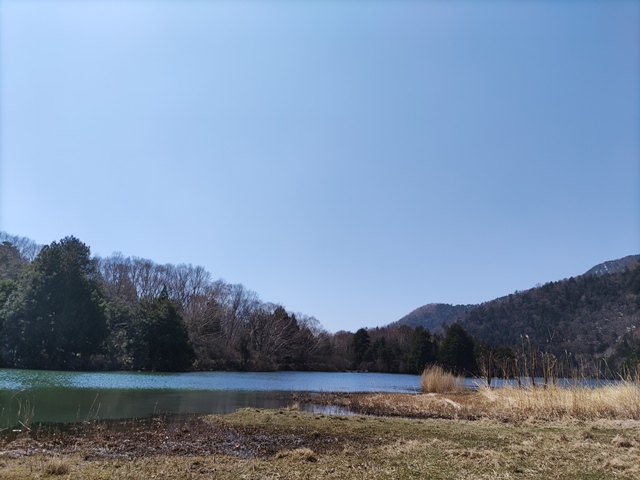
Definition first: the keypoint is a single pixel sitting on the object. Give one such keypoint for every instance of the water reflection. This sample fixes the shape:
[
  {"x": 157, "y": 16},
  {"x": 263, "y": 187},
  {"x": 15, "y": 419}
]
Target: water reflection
[
  {"x": 51, "y": 396},
  {"x": 64, "y": 397},
  {"x": 77, "y": 405},
  {"x": 270, "y": 381}
]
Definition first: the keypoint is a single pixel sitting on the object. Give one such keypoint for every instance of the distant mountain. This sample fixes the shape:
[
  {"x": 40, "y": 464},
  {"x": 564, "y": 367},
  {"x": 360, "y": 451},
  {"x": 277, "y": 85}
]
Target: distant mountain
[
  {"x": 594, "y": 315},
  {"x": 591, "y": 316},
  {"x": 614, "y": 266},
  {"x": 433, "y": 315}
]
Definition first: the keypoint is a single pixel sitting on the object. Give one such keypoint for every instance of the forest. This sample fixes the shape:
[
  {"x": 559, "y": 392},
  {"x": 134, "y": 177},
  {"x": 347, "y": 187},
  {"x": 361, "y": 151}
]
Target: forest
[
  {"x": 62, "y": 308},
  {"x": 589, "y": 321}
]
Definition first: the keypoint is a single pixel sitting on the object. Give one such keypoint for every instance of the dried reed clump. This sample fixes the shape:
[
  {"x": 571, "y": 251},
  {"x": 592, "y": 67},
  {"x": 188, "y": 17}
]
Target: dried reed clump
[
  {"x": 406, "y": 405},
  {"x": 294, "y": 407},
  {"x": 622, "y": 442},
  {"x": 620, "y": 401},
  {"x": 304, "y": 454},
  {"x": 57, "y": 466},
  {"x": 435, "y": 379}
]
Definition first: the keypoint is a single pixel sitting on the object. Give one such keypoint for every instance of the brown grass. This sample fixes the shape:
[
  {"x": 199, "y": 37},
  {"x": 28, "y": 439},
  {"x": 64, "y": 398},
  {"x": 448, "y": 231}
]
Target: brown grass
[
  {"x": 430, "y": 405},
  {"x": 56, "y": 466},
  {"x": 619, "y": 401},
  {"x": 304, "y": 454},
  {"x": 435, "y": 379},
  {"x": 553, "y": 432},
  {"x": 616, "y": 402},
  {"x": 313, "y": 446}
]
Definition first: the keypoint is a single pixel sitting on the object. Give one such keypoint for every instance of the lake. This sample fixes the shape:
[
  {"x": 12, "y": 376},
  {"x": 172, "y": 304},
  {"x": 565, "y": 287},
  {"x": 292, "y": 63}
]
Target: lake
[{"x": 54, "y": 396}]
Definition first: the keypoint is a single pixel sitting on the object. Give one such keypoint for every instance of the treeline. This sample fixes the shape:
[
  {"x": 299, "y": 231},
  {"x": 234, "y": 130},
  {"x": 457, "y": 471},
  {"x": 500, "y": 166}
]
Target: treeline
[
  {"x": 408, "y": 350},
  {"x": 61, "y": 308}
]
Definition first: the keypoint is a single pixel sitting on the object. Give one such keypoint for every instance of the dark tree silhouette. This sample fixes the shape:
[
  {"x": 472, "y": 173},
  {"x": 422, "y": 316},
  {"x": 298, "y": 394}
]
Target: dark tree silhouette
[
  {"x": 159, "y": 338},
  {"x": 360, "y": 346},
  {"x": 456, "y": 353},
  {"x": 55, "y": 318}
]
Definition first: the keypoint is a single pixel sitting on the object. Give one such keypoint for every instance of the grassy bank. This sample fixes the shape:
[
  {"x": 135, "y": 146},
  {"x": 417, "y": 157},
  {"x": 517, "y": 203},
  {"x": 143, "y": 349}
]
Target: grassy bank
[
  {"x": 445, "y": 397},
  {"x": 259, "y": 444},
  {"x": 449, "y": 432},
  {"x": 614, "y": 402}
]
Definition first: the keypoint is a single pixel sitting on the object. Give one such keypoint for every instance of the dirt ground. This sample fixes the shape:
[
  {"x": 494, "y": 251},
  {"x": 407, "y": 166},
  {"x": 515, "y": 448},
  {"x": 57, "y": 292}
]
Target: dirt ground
[{"x": 187, "y": 435}]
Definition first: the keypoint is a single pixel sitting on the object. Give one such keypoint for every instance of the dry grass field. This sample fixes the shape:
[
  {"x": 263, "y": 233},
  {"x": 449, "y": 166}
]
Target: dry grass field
[
  {"x": 512, "y": 404},
  {"x": 445, "y": 433},
  {"x": 484, "y": 434}
]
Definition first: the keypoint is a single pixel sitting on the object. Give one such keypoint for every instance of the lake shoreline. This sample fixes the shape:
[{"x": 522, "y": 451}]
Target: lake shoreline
[{"x": 288, "y": 443}]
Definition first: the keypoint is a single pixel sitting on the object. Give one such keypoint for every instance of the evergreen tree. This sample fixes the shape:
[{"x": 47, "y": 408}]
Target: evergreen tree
[
  {"x": 456, "y": 352},
  {"x": 360, "y": 346},
  {"x": 55, "y": 317},
  {"x": 158, "y": 339},
  {"x": 423, "y": 350},
  {"x": 11, "y": 263}
]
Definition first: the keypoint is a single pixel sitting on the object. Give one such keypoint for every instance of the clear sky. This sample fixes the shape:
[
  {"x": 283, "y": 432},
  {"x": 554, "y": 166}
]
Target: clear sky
[{"x": 351, "y": 160}]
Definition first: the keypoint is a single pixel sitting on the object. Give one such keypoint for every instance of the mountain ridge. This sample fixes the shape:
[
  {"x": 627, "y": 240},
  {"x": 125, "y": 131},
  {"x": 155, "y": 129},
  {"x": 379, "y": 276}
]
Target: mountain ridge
[
  {"x": 592, "y": 318},
  {"x": 436, "y": 316},
  {"x": 613, "y": 266},
  {"x": 433, "y": 316}
]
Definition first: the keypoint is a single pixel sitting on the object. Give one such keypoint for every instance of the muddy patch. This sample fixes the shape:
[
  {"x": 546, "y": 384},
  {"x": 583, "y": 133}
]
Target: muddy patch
[{"x": 183, "y": 436}]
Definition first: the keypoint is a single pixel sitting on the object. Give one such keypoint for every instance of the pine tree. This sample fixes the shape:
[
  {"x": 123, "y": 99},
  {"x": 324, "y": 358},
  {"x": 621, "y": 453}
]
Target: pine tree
[
  {"x": 360, "y": 346},
  {"x": 56, "y": 317},
  {"x": 456, "y": 353}
]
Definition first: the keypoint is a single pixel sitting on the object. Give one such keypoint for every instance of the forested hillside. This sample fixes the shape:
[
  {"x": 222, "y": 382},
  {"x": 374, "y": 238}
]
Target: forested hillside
[
  {"x": 614, "y": 266},
  {"x": 590, "y": 322},
  {"x": 592, "y": 317},
  {"x": 62, "y": 308},
  {"x": 434, "y": 316}
]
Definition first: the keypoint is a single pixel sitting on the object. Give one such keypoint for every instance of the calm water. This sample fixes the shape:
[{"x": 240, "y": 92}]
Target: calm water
[{"x": 52, "y": 396}]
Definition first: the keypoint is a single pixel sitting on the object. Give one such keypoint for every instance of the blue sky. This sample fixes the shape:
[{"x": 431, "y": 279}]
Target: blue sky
[{"x": 350, "y": 160}]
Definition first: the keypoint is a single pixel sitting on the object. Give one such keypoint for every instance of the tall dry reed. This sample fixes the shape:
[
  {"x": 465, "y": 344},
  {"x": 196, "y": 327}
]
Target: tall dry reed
[
  {"x": 435, "y": 379},
  {"x": 619, "y": 400}
]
